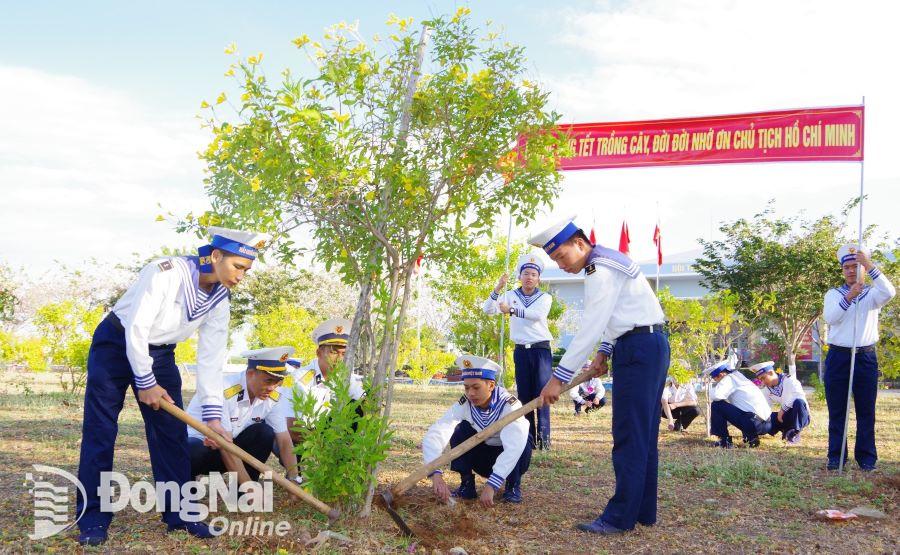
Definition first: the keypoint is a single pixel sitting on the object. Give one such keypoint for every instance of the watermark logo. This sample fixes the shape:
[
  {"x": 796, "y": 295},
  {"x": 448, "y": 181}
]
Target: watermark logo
[
  {"x": 192, "y": 500},
  {"x": 51, "y": 500}
]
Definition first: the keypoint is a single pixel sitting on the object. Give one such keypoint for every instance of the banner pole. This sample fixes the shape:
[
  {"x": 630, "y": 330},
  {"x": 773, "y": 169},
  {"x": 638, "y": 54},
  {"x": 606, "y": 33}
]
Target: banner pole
[
  {"x": 658, "y": 249},
  {"x": 855, "y": 314},
  {"x": 503, "y": 317}
]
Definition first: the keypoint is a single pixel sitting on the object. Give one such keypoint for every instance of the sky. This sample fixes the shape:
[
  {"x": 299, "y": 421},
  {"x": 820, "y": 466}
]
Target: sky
[{"x": 98, "y": 105}]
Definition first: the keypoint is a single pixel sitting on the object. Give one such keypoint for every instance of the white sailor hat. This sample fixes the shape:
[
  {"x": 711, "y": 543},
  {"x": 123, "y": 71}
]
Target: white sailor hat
[
  {"x": 717, "y": 368},
  {"x": 527, "y": 261},
  {"x": 477, "y": 367},
  {"x": 762, "y": 367},
  {"x": 847, "y": 253},
  {"x": 552, "y": 237},
  {"x": 332, "y": 332},
  {"x": 269, "y": 359},
  {"x": 234, "y": 241}
]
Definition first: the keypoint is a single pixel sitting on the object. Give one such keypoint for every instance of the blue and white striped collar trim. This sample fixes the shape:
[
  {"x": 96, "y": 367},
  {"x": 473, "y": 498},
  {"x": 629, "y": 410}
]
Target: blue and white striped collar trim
[
  {"x": 528, "y": 300},
  {"x": 485, "y": 417},
  {"x": 615, "y": 260},
  {"x": 197, "y": 301},
  {"x": 779, "y": 387}
]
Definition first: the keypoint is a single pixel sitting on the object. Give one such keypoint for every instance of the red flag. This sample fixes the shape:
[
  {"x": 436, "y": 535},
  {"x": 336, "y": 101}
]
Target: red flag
[
  {"x": 624, "y": 239},
  {"x": 657, "y": 240},
  {"x": 418, "y": 267},
  {"x": 593, "y": 237}
]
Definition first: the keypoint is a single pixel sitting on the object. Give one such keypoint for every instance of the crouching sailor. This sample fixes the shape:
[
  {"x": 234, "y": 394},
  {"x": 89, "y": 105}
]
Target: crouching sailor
[
  {"x": 735, "y": 400},
  {"x": 788, "y": 394},
  {"x": 505, "y": 456},
  {"x": 172, "y": 299},
  {"x": 253, "y": 415}
]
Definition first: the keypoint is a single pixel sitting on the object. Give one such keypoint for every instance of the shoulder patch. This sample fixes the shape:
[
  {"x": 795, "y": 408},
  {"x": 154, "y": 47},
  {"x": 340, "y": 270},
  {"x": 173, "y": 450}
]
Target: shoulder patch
[
  {"x": 274, "y": 395},
  {"x": 288, "y": 381},
  {"x": 233, "y": 390},
  {"x": 510, "y": 400},
  {"x": 590, "y": 268},
  {"x": 165, "y": 265},
  {"x": 462, "y": 400},
  {"x": 308, "y": 377}
]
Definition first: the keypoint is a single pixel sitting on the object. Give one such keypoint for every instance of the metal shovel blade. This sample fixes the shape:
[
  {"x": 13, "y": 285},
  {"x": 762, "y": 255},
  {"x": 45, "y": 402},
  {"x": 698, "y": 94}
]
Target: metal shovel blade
[{"x": 398, "y": 520}]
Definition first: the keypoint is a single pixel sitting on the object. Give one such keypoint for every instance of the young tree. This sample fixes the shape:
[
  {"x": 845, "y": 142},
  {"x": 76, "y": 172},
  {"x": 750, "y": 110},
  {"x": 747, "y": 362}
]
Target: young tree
[
  {"x": 889, "y": 321},
  {"x": 423, "y": 353},
  {"x": 8, "y": 299},
  {"x": 779, "y": 268},
  {"x": 285, "y": 324},
  {"x": 383, "y": 151},
  {"x": 700, "y": 331}
]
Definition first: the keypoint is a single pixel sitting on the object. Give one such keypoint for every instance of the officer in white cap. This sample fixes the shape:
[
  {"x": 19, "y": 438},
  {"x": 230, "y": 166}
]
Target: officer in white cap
[
  {"x": 528, "y": 307},
  {"x": 854, "y": 300},
  {"x": 253, "y": 415},
  {"x": 172, "y": 299},
  {"x": 737, "y": 401},
  {"x": 501, "y": 458},
  {"x": 622, "y": 310},
  {"x": 787, "y": 392},
  {"x": 331, "y": 339}
]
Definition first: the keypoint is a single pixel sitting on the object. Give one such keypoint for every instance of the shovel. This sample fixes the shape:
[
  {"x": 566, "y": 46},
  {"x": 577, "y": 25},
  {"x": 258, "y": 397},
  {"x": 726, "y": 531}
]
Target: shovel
[
  {"x": 293, "y": 488},
  {"x": 425, "y": 470}
]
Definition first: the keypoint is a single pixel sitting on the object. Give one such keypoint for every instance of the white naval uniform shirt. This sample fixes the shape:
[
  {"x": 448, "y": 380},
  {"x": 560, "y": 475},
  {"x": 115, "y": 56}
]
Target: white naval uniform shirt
[
  {"x": 736, "y": 389},
  {"x": 617, "y": 298},
  {"x": 165, "y": 306},
  {"x": 512, "y": 437},
  {"x": 679, "y": 394},
  {"x": 593, "y": 385},
  {"x": 309, "y": 379},
  {"x": 839, "y": 314},
  {"x": 528, "y": 323},
  {"x": 238, "y": 412},
  {"x": 786, "y": 392}
]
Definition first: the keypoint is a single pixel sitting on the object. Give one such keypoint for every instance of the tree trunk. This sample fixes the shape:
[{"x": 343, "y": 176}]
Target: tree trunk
[
  {"x": 792, "y": 359},
  {"x": 362, "y": 312}
]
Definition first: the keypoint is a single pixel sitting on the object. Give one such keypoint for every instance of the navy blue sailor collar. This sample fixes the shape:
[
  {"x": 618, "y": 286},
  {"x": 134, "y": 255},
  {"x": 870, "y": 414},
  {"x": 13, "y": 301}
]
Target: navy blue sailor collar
[
  {"x": 198, "y": 302},
  {"x": 526, "y": 299},
  {"x": 485, "y": 417}
]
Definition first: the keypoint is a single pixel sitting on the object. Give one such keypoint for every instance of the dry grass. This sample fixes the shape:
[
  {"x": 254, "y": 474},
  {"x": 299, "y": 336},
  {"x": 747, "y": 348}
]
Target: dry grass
[{"x": 743, "y": 501}]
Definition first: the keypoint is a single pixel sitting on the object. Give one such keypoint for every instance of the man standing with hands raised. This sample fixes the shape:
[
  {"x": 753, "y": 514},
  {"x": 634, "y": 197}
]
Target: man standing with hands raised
[{"x": 621, "y": 309}]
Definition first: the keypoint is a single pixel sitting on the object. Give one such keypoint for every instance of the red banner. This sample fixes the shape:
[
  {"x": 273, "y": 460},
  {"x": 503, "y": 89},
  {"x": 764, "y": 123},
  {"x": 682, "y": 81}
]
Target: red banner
[{"x": 815, "y": 134}]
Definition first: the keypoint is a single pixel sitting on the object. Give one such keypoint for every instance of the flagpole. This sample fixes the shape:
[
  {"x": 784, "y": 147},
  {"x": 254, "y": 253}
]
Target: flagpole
[
  {"x": 855, "y": 312},
  {"x": 502, "y": 317},
  {"x": 658, "y": 247}
]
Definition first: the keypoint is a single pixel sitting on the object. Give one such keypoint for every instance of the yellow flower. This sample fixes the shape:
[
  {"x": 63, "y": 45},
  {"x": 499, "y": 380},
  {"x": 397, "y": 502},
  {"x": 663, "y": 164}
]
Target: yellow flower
[
  {"x": 459, "y": 13},
  {"x": 254, "y": 184},
  {"x": 245, "y": 97},
  {"x": 301, "y": 41},
  {"x": 230, "y": 72},
  {"x": 231, "y": 48},
  {"x": 340, "y": 118},
  {"x": 364, "y": 68},
  {"x": 221, "y": 98},
  {"x": 204, "y": 104},
  {"x": 160, "y": 218}
]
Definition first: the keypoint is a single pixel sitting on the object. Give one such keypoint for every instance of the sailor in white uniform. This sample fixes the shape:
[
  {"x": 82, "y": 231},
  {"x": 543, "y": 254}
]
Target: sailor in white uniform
[
  {"x": 785, "y": 391},
  {"x": 736, "y": 400},
  {"x": 528, "y": 307},
  {"x": 253, "y": 415},
  {"x": 503, "y": 457},
  {"x": 590, "y": 395},
  {"x": 135, "y": 346},
  {"x": 622, "y": 311},
  {"x": 679, "y": 404},
  {"x": 854, "y": 300},
  {"x": 331, "y": 339}
]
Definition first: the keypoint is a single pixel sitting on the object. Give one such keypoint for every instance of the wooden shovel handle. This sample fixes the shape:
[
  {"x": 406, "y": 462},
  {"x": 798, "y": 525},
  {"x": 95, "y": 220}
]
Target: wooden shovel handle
[
  {"x": 426, "y": 469},
  {"x": 249, "y": 459}
]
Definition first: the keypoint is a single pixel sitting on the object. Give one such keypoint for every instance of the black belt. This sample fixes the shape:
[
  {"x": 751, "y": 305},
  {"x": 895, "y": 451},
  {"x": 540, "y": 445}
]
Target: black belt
[
  {"x": 866, "y": 349},
  {"x": 655, "y": 328},
  {"x": 538, "y": 345}
]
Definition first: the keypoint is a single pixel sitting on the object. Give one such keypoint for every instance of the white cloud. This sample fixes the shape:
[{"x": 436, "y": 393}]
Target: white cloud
[
  {"x": 658, "y": 58},
  {"x": 82, "y": 169}
]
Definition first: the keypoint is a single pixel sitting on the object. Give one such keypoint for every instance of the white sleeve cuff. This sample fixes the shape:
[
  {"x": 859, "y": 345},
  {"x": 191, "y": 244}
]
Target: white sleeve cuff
[
  {"x": 212, "y": 412},
  {"x": 496, "y": 481},
  {"x": 145, "y": 382},
  {"x": 563, "y": 374}
]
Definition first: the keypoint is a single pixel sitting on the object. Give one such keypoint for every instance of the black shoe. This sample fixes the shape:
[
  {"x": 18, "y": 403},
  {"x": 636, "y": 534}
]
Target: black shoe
[
  {"x": 724, "y": 443},
  {"x": 96, "y": 535},
  {"x": 753, "y": 442},
  {"x": 466, "y": 489},
  {"x": 512, "y": 494},
  {"x": 200, "y": 530},
  {"x": 678, "y": 427},
  {"x": 599, "y": 526},
  {"x": 835, "y": 465},
  {"x": 868, "y": 467}
]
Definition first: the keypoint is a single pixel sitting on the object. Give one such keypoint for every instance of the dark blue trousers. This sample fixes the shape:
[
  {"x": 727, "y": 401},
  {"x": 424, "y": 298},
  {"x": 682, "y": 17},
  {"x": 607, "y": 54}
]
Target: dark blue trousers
[
  {"x": 256, "y": 439},
  {"x": 723, "y": 413},
  {"x": 108, "y": 376},
  {"x": 640, "y": 362},
  {"x": 481, "y": 458},
  {"x": 795, "y": 417},
  {"x": 534, "y": 368},
  {"x": 865, "y": 392}
]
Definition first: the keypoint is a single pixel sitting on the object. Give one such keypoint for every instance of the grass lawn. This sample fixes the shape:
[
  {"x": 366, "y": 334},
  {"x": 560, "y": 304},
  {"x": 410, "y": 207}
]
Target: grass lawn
[{"x": 741, "y": 501}]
